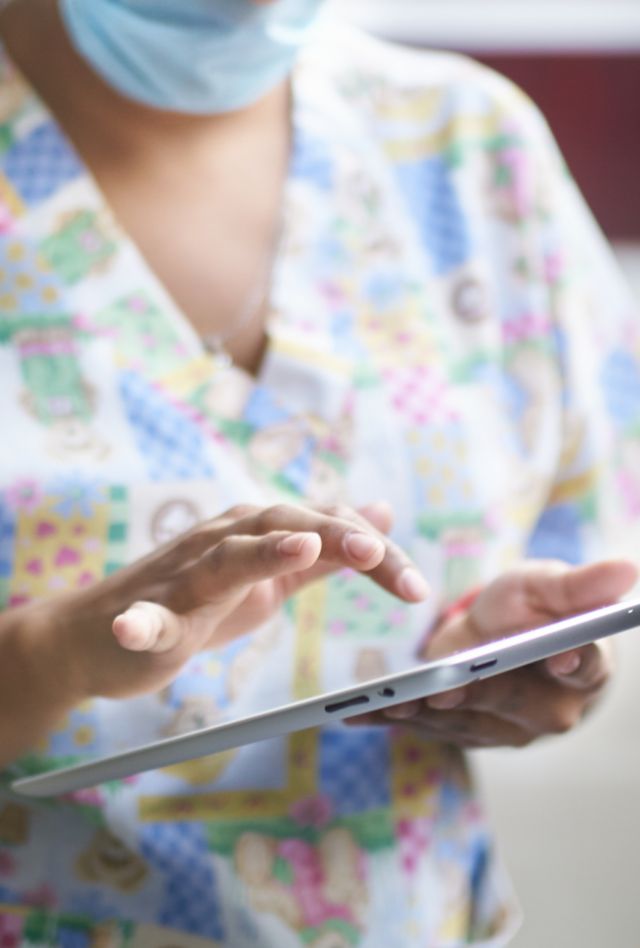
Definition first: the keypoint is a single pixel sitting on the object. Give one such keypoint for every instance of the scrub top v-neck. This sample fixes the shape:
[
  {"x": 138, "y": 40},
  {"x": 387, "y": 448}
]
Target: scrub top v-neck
[{"x": 424, "y": 301}]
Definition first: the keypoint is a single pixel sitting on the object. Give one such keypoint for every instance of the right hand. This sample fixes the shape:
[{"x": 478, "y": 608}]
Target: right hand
[{"x": 133, "y": 632}]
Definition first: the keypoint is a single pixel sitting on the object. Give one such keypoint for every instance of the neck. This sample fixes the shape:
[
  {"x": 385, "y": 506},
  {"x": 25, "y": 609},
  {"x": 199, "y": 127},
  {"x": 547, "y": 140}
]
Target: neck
[{"x": 99, "y": 119}]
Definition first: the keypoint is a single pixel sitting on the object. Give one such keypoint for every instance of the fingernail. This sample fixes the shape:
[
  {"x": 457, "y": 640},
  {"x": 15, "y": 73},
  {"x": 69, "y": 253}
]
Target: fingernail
[
  {"x": 141, "y": 616},
  {"x": 447, "y": 700},
  {"x": 292, "y": 545},
  {"x": 563, "y": 665},
  {"x": 135, "y": 627},
  {"x": 412, "y": 585},
  {"x": 361, "y": 546}
]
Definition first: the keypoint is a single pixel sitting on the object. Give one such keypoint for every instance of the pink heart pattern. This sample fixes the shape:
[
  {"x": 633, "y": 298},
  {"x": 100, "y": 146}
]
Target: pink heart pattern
[{"x": 66, "y": 556}]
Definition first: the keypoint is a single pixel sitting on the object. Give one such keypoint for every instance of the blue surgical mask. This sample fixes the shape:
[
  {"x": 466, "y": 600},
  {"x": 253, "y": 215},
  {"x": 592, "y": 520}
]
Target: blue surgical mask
[{"x": 195, "y": 56}]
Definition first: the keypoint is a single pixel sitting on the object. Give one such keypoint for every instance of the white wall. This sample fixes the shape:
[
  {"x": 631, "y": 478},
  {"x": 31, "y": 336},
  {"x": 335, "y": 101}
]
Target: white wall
[
  {"x": 567, "y": 812},
  {"x": 504, "y": 24}
]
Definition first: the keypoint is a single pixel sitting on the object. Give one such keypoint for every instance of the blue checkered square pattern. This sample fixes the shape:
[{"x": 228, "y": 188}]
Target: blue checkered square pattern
[
  {"x": 8, "y": 896},
  {"x": 7, "y": 540},
  {"x": 431, "y": 194},
  {"x": 172, "y": 446},
  {"x": 312, "y": 161},
  {"x": 179, "y": 852},
  {"x": 621, "y": 384},
  {"x": 262, "y": 409},
  {"x": 559, "y": 534},
  {"x": 40, "y": 164},
  {"x": 27, "y": 285},
  {"x": 68, "y": 937},
  {"x": 354, "y": 769}
]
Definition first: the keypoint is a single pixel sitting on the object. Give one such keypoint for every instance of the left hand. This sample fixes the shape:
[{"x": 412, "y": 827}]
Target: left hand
[{"x": 517, "y": 707}]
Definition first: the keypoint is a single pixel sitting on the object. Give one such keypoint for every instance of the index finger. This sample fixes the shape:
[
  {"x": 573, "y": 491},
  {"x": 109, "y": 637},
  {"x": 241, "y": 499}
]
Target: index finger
[
  {"x": 348, "y": 539},
  {"x": 583, "y": 669}
]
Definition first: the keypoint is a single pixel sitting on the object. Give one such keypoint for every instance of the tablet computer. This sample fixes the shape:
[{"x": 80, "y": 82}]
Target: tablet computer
[{"x": 424, "y": 680}]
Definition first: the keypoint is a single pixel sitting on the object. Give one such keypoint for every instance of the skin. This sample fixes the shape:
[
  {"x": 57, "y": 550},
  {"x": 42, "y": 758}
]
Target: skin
[
  {"x": 232, "y": 572},
  {"x": 546, "y": 698},
  {"x": 133, "y": 632},
  {"x": 136, "y": 153}
]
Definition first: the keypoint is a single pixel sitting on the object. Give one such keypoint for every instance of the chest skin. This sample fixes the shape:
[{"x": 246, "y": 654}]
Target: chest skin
[{"x": 200, "y": 196}]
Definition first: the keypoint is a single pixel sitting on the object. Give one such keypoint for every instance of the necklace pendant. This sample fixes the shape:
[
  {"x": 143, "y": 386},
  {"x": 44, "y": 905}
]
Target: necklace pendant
[{"x": 215, "y": 348}]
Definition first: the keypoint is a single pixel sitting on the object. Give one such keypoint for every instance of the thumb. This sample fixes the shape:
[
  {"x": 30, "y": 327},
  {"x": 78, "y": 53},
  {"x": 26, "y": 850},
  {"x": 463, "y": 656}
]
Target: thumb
[
  {"x": 148, "y": 627},
  {"x": 582, "y": 588},
  {"x": 585, "y": 588},
  {"x": 217, "y": 581}
]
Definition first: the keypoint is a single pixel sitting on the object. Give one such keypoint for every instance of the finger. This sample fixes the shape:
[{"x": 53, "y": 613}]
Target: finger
[
  {"x": 375, "y": 517},
  {"x": 348, "y": 539},
  {"x": 585, "y": 669},
  {"x": 471, "y": 730},
  {"x": 523, "y": 698},
  {"x": 219, "y": 578},
  {"x": 238, "y": 562},
  {"x": 250, "y": 610},
  {"x": 379, "y": 514},
  {"x": 563, "y": 665},
  {"x": 468, "y": 730},
  {"x": 147, "y": 627},
  {"x": 532, "y": 594},
  {"x": 204, "y": 536},
  {"x": 567, "y": 591}
]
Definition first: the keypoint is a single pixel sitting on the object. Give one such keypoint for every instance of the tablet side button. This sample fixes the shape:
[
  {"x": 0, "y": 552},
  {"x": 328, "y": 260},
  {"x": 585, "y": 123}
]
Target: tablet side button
[
  {"x": 349, "y": 703},
  {"x": 487, "y": 663}
]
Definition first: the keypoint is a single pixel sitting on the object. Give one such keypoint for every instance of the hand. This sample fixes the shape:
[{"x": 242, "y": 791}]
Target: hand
[
  {"x": 548, "y": 697},
  {"x": 133, "y": 632}
]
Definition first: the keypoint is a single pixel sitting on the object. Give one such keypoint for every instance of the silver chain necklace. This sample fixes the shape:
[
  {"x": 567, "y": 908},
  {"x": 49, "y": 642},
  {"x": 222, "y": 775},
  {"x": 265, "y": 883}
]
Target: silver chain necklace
[{"x": 215, "y": 343}]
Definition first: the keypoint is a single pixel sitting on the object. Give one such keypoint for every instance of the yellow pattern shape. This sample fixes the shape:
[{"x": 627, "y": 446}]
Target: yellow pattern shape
[
  {"x": 415, "y": 107},
  {"x": 302, "y": 747},
  {"x": 54, "y": 553},
  {"x": 456, "y": 130},
  {"x": 10, "y": 199},
  {"x": 415, "y": 775},
  {"x": 201, "y": 770},
  {"x": 575, "y": 487},
  {"x": 191, "y": 375}
]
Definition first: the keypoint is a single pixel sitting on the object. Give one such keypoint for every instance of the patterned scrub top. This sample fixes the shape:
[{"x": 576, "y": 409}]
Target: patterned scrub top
[{"x": 447, "y": 331}]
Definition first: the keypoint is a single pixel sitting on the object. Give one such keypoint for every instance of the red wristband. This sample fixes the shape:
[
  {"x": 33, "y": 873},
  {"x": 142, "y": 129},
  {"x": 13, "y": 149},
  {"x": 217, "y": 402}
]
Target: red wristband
[{"x": 463, "y": 604}]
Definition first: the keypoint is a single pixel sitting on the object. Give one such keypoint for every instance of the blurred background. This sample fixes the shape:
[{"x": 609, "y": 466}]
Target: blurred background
[{"x": 567, "y": 812}]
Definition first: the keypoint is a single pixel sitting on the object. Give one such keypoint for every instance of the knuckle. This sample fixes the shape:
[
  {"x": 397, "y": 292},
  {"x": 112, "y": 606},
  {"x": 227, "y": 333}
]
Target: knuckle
[
  {"x": 339, "y": 511},
  {"x": 238, "y": 511},
  {"x": 191, "y": 544},
  {"x": 598, "y": 682},
  {"x": 604, "y": 666},
  {"x": 564, "y": 720},
  {"x": 522, "y": 739},
  {"x": 222, "y": 551},
  {"x": 276, "y": 515},
  {"x": 263, "y": 549}
]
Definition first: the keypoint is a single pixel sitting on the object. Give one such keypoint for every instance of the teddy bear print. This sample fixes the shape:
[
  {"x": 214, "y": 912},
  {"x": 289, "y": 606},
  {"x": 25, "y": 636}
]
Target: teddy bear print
[
  {"x": 326, "y": 881},
  {"x": 109, "y": 861}
]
